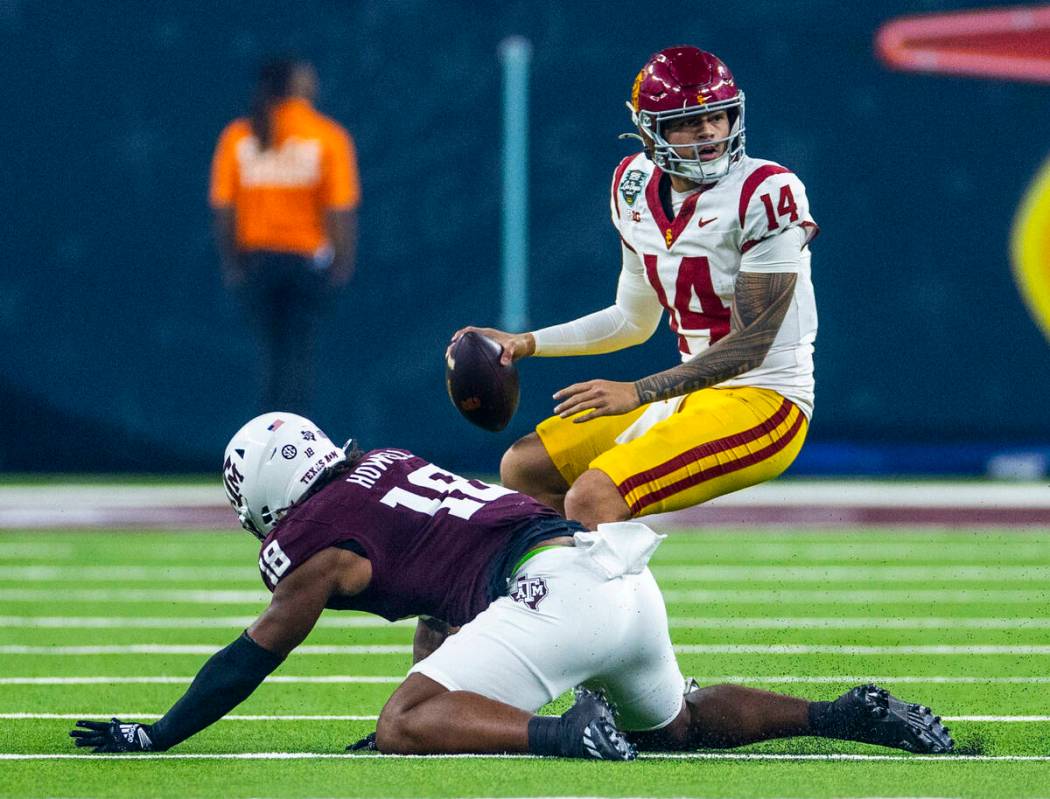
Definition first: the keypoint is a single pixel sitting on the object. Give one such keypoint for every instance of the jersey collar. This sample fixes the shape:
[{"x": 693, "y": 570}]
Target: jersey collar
[{"x": 671, "y": 229}]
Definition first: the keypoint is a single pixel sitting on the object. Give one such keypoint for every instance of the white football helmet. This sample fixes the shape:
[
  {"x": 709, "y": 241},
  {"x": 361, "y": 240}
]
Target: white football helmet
[{"x": 271, "y": 463}]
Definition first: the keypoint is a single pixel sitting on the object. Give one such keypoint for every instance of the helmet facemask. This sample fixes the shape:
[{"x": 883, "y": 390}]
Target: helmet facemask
[{"x": 653, "y": 124}]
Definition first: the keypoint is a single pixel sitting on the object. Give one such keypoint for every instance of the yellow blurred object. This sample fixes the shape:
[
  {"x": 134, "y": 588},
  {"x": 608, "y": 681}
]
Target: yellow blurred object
[{"x": 1030, "y": 249}]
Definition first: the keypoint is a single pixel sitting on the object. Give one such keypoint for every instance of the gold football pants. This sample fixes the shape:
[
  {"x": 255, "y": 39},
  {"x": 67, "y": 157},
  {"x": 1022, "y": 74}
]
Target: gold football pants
[{"x": 719, "y": 440}]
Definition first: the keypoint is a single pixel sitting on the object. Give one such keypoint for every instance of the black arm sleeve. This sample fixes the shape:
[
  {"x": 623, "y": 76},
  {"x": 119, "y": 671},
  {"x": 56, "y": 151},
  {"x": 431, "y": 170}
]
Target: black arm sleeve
[{"x": 226, "y": 680}]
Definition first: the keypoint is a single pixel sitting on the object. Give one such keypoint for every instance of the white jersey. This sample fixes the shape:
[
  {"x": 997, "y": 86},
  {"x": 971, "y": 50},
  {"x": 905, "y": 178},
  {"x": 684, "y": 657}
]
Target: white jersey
[{"x": 755, "y": 219}]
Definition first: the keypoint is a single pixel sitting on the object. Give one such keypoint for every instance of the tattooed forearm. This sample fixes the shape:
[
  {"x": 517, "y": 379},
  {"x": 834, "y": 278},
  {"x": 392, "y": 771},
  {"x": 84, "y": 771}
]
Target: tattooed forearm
[{"x": 759, "y": 304}]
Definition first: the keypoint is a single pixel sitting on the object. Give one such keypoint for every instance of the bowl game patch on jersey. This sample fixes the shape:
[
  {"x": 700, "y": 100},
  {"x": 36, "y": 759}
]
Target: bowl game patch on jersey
[{"x": 631, "y": 185}]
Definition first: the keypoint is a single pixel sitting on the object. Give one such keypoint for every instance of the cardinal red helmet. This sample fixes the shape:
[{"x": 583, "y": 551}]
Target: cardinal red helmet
[{"x": 682, "y": 82}]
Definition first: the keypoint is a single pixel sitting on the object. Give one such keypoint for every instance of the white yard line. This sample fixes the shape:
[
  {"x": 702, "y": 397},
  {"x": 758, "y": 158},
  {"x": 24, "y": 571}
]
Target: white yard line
[
  {"x": 884, "y": 551},
  {"x": 336, "y": 621},
  {"x": 167, "y": 574},
  {"x": 852, "y": 574},
  {"x": 679, "y": 573},
  {"x": 854, "y": 679},
  {"x": 777, "y": 679},
  {"x": 91, "y": 714},
  {"x": 858, "y": 623},
  {"x": 685, "y": 649},
  {"x": 734, "y": 596},
  {"x": 184, "y": 622},
  {"x": 649, "y": 756},
  {"x": 751, "y": 596},
  {"x": 830, "y": 649},
  {"x": 878, "y": 547},
  {"x": 197, "y": 649},
  {"x": 141, "y": 595},
  {"x": 164, "y": 680},
  {"x": 847, "y": 757}
]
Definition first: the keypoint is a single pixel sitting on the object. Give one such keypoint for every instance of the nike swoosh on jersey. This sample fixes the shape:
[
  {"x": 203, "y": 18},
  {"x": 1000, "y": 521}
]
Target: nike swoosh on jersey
[{"x": 706, "y": 221}]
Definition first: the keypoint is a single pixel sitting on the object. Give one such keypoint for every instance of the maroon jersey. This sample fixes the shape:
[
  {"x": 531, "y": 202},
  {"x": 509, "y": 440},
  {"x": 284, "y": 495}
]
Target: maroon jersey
[{"x": 439, "y": 545}]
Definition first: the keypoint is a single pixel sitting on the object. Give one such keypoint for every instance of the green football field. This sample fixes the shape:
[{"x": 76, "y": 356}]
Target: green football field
[{"x": 97, "y": 624}]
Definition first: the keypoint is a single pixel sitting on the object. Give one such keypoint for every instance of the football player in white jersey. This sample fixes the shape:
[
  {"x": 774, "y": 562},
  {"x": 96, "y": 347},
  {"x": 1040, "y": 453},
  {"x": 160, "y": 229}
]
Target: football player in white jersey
[{"x": 720, "y": 241}]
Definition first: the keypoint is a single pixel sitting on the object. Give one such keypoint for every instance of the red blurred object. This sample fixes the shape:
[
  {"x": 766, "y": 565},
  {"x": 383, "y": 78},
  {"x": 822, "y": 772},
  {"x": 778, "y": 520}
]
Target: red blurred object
[{"x": 1012, "y": 43}]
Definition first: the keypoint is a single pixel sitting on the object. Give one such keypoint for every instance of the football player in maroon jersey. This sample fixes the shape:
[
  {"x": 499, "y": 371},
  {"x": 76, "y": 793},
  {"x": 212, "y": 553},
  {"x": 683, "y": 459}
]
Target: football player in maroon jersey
[{"x": 541, "y": 604}]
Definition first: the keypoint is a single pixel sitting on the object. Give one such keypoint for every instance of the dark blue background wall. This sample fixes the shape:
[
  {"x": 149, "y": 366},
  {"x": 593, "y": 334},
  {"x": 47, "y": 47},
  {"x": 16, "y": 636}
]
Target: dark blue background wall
[{"x": 122, "y": 350}]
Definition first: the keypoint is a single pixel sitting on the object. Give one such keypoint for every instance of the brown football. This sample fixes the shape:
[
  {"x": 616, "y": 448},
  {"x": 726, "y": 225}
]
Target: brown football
[{"x": 485, "y": 392}]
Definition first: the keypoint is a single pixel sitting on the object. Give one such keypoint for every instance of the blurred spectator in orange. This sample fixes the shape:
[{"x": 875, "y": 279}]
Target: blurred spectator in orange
[{"x": 284, "y": 190}]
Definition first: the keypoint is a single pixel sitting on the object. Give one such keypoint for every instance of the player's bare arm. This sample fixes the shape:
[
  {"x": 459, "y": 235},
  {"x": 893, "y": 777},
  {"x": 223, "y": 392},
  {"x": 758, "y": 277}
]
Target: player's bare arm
[
  {"x": 515, "y": 345},
  {"x": 232, "y": 674},
  {"x": 299, "y": 598},
  {"x": 759, "y": 304}
]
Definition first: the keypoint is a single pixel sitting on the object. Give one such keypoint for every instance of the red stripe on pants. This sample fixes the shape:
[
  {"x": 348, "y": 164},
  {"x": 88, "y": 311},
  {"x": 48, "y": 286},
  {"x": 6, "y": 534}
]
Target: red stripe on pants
[
  {"x": 707, "y": 449},
  {"x": 720, "y": 469}
]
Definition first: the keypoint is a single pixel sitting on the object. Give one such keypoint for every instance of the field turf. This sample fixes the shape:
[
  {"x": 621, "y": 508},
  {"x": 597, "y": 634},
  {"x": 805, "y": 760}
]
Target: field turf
[{"x": 100, "y": 624}]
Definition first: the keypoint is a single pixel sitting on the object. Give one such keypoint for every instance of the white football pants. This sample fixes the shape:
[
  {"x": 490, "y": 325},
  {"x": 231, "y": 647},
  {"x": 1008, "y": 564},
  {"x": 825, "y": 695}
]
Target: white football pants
[{"x": 586, "y": 615}]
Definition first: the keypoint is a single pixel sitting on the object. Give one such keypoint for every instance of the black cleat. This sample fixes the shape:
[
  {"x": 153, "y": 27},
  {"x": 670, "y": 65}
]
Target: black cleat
[
  {"x": 367, "y": 744},
  {"x": 592, "y": 729},
  {"x": 873, "y": 715}
]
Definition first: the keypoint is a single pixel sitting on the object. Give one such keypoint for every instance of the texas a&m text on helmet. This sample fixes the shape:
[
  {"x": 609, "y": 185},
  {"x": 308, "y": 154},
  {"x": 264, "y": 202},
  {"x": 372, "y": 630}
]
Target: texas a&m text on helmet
[{"x": 682, "y": 82}]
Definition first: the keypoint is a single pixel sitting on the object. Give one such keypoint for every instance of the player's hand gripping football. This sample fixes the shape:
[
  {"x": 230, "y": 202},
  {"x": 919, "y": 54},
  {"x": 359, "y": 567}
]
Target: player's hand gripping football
[
  {"x": 112, "y": 736},
  {"x": 600, "y": 397},
  {"x": 515, "y": 345}
]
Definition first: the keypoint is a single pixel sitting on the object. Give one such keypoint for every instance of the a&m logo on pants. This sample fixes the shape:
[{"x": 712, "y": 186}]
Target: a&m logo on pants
[{"x": 529, "y": 591}]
